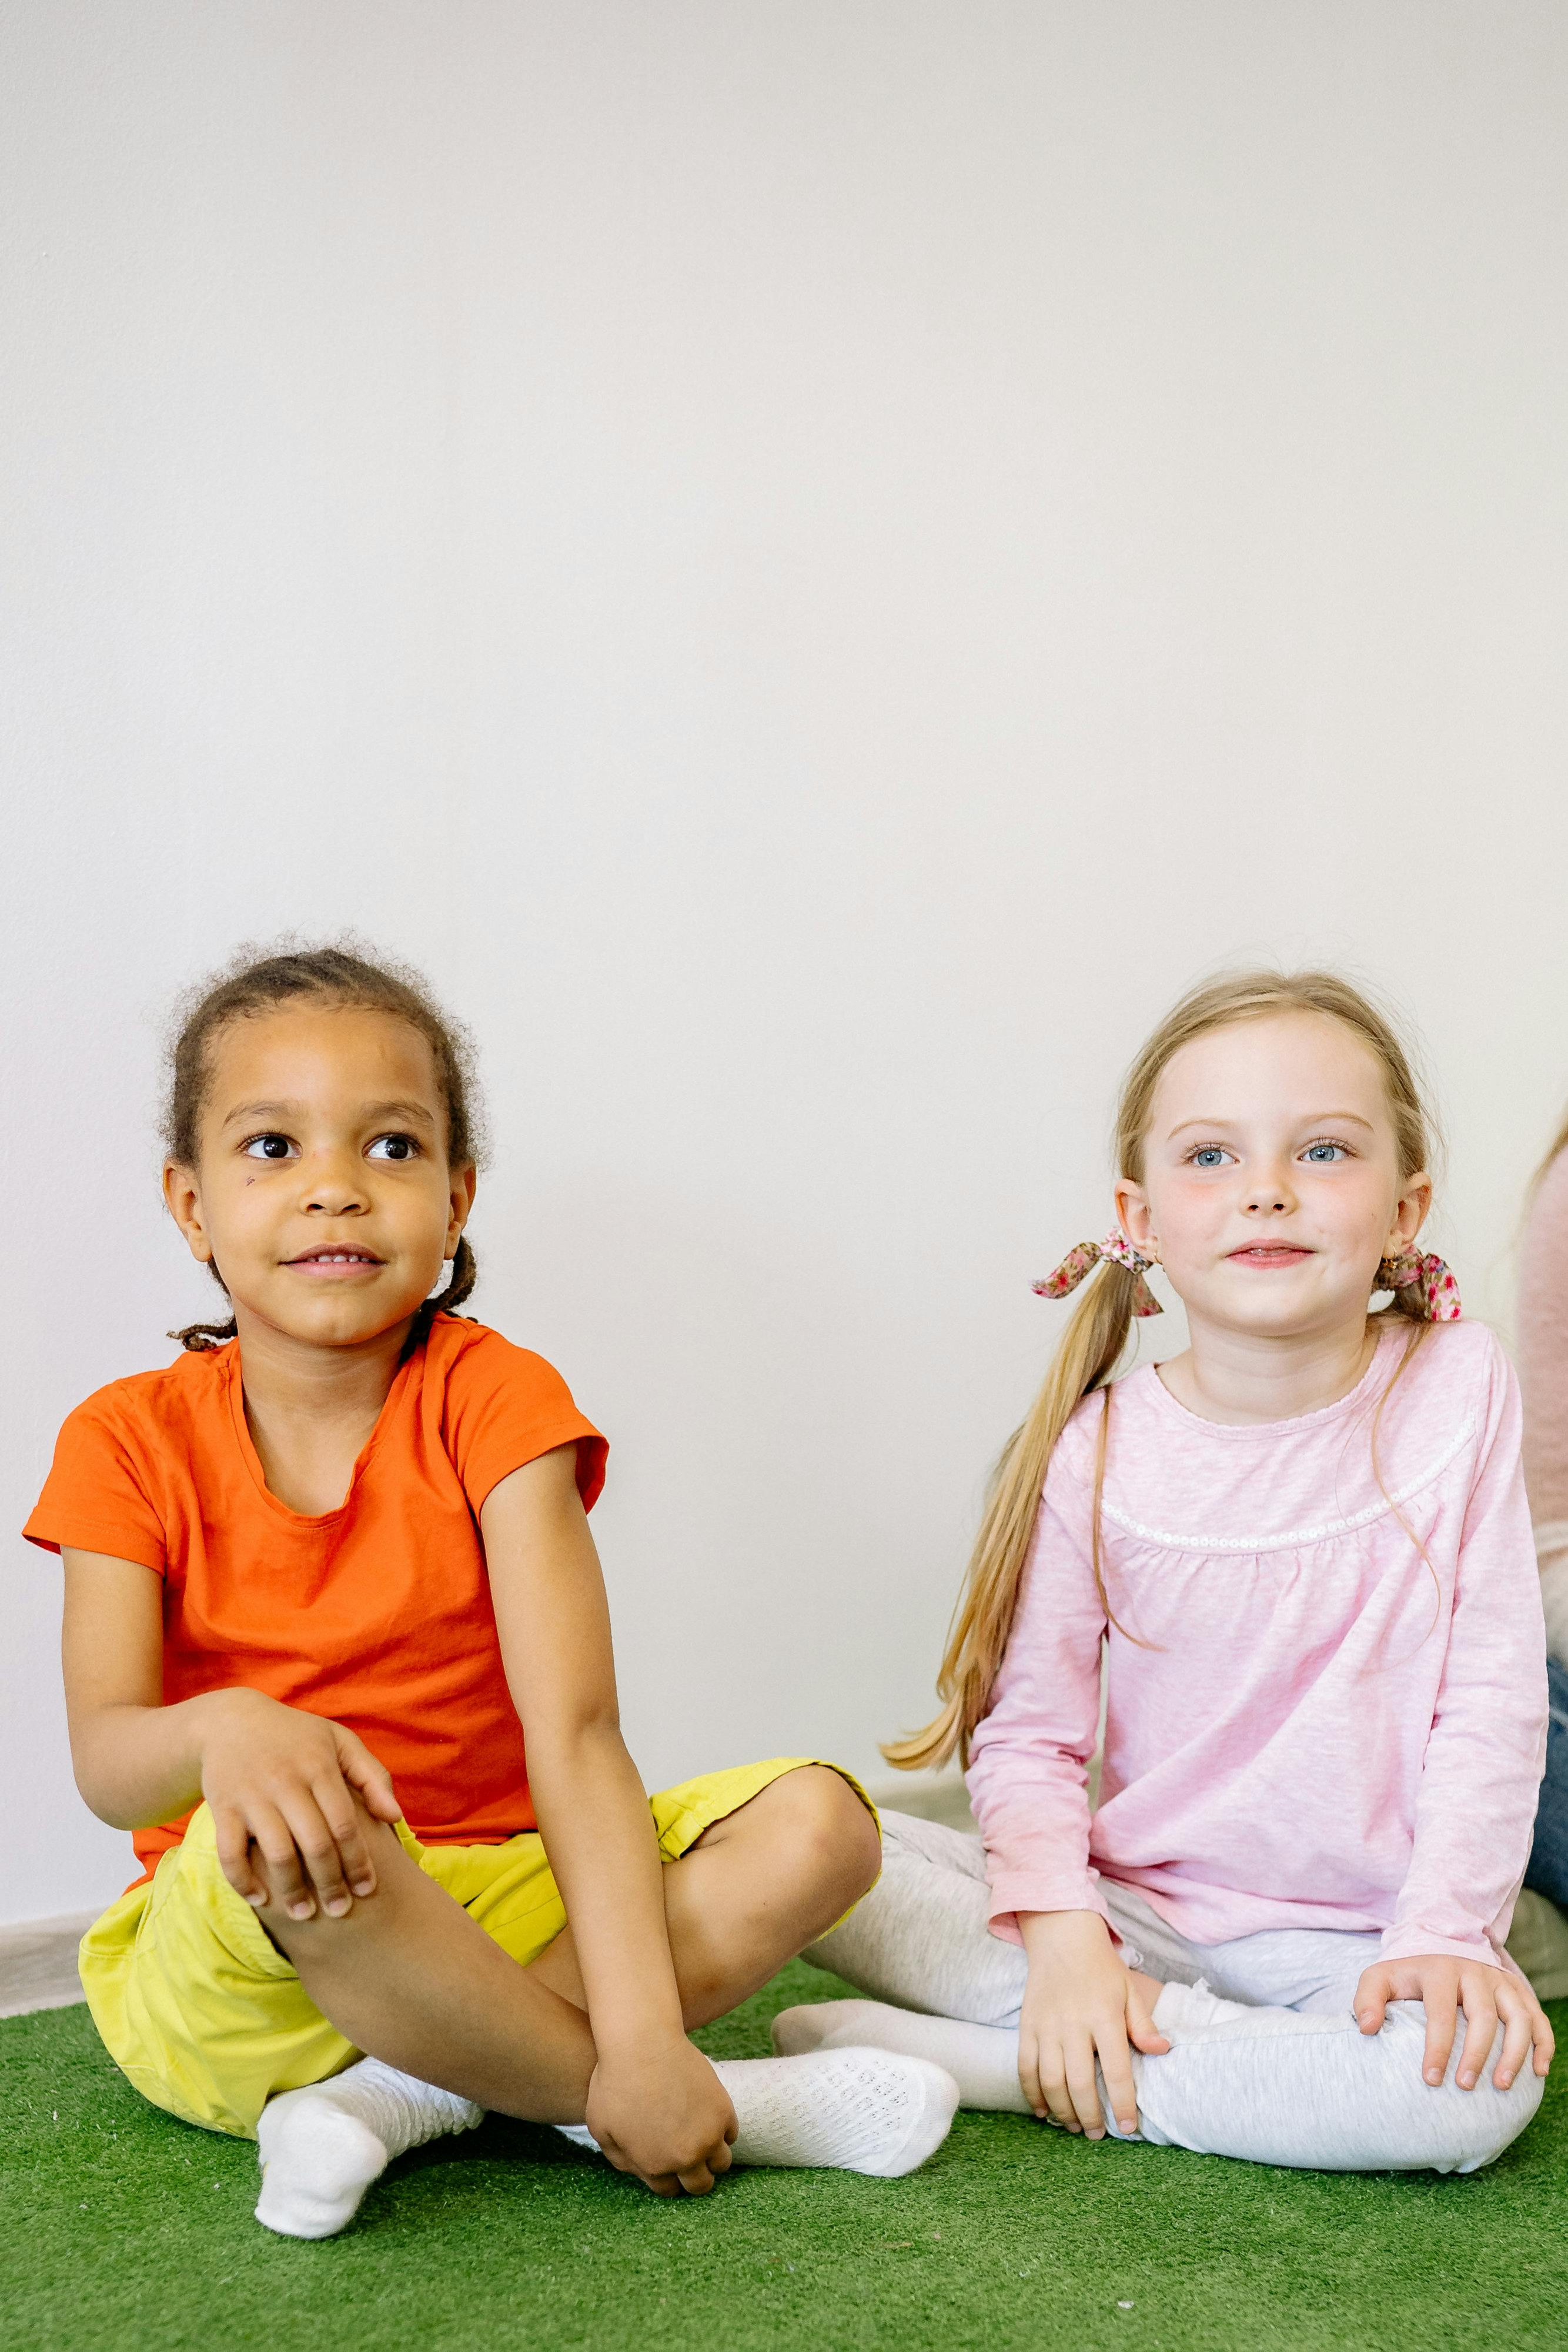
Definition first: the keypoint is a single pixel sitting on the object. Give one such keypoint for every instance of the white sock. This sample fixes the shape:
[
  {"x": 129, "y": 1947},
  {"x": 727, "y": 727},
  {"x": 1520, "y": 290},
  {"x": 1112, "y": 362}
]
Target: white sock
[
  {"x": 321, "y": 2147},
  {"x": 855, "y": 2110},
  {"x": 1183, "y": 2010},
  {"x": 981, "y": 2059}
]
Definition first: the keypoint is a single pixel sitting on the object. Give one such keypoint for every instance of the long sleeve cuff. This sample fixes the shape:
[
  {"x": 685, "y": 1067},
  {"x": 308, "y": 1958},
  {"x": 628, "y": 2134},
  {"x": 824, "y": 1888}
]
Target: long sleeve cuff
[
  {"x": 1409, "y": 1942},
  {"x": 1013, "y": 1891}
]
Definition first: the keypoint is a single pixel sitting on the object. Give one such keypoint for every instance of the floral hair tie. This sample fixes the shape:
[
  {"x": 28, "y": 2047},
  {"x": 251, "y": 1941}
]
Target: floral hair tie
[
  {"x": 1438, "y": 1288},
  {"x": 1081, "y": 1262}
]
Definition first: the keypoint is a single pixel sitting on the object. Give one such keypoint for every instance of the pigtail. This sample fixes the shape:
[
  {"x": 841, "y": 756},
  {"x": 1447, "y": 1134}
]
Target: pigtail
[
  {"x": 464, "y": 1274},
  {"x": 1091, "y": 1347},
  {"x": 197, "y": 1339}
]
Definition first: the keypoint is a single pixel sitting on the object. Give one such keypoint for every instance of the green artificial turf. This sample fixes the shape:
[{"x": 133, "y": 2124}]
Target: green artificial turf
[{"x": 121, "y": 2227}]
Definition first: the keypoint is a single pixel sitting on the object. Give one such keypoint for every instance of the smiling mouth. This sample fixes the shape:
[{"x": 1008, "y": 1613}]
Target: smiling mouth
[{"x": 324, "y": 1261}]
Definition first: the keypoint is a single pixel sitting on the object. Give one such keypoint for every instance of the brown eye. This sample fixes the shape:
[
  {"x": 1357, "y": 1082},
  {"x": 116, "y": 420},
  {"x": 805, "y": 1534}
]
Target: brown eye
[
  {"x": 268, "y": 1147},
  {"x": 393, "y": 1147}
]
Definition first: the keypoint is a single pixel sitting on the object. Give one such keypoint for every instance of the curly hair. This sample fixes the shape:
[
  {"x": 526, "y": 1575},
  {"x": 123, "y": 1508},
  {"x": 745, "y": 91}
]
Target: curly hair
[{"x": 258, "y": 982}]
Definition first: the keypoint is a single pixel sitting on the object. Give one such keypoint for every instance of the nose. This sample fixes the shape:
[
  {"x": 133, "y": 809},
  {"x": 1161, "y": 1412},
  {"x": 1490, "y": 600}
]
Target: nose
[
  {"x": 1270, "y": 1193},
  {"x": 334, "y": 1185}
]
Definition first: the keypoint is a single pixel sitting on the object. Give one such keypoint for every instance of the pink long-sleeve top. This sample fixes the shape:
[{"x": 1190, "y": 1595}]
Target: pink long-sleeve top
[{"x": 1309, "y": 1724}]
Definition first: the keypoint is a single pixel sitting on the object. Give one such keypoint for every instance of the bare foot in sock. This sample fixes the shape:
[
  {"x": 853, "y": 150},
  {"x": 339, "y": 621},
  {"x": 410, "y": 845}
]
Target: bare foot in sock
[
  {"x": 853, "y": 2110},
  {"x": 321, "y": 2147}
]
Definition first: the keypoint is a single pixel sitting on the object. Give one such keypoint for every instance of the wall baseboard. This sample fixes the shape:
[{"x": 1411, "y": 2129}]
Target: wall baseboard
[{"x": 39, "y": 1963}]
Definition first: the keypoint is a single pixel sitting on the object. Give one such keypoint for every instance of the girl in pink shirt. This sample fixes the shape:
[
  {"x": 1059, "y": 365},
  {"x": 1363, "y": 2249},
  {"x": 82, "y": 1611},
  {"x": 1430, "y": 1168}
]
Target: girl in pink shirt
[{"x": 1296, "y": 1561}]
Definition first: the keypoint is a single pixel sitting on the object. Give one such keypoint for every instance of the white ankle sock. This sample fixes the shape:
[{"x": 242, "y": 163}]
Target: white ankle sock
[
  {"x": 1183, "y": 2010},
  {"x": 981, "y": 2059},
  {"x": 321, "y": 2147},
  {"x": 858, "y": 2110}
]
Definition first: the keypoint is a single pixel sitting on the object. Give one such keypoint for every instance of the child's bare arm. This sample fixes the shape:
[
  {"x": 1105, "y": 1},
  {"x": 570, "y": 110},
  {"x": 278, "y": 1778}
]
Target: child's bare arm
[
  {"x": 655, "y": 2105},
  {"x": 271, "y": 1773}
]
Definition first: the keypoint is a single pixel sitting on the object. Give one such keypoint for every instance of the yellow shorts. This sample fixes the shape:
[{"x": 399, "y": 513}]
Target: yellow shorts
[{"x": 201, "y": 2010}]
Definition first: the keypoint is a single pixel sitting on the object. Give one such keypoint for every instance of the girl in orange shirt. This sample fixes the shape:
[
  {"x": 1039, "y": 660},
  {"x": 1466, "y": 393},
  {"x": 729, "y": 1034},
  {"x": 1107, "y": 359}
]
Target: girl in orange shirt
[{"x": 320, "y": 1574}]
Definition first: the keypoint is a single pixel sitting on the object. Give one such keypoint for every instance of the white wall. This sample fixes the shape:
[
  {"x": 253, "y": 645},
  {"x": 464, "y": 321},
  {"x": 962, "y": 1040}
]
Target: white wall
[{"x": 813, "y": 564}]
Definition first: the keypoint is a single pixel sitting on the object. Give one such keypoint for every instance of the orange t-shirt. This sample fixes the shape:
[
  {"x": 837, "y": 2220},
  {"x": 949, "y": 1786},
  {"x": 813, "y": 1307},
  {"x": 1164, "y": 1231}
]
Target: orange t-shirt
[{"x": 377, "y": 1614}]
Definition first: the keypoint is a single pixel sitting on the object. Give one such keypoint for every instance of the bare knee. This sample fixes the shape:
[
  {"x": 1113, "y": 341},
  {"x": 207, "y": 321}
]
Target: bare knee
[{"x": 830, "y": 1836}]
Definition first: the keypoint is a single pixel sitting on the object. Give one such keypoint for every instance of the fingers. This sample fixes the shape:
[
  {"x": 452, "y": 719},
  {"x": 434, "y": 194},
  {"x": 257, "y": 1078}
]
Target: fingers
[
  {"x": 1083, "y": 2089},
  {"x": 1524, "y": 2023},
  {"x": 342, "y": 1821},
  {"x": 281, "y": 1871},
  {"x": 1117, "y": 2066},
  {"x": 1480, "y": 2033},
  {"x": 1373, "y": 1995},
  {"x": 300, "y": 1857},
  {"x": 234, "y": 1853},
  {"x": 1030, "y": 2082},
  {"x": 1545, "y": 2039},
  {"x": 695, "y": 2179},
  {"x": 318, "y": 1850},
  {"x": 1142, "y": 2031},
  {"x": 366, "y": 1773},
  {"x": 323, "y": 1884},
  {"x": 1517, "y": 2037},
  {"x": 1058, "y": 2098},
  {"x": 326, "y": 1862},
  {"x": 1442, "y": 2018}
]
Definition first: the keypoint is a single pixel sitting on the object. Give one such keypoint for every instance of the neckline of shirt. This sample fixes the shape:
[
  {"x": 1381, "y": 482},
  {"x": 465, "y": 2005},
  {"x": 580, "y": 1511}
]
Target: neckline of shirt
[
  {"x": 312, "y": 1520},
  {"x": 1318, "y": 1418}
]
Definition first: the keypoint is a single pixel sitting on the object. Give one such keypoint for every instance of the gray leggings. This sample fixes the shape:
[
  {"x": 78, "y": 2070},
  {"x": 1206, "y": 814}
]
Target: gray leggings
[{"x": 1295, "y": 2081}]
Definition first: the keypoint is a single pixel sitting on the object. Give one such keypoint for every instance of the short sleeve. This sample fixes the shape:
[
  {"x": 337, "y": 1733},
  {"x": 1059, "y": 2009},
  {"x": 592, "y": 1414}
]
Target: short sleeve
[
  {"x": 95, "y": 1496},
  {"x": 504, "y": 1407}
]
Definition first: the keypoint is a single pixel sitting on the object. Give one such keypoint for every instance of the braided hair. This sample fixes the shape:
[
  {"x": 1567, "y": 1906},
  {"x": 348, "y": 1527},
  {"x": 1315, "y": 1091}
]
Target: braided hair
[{"x": 257, "y": 982}]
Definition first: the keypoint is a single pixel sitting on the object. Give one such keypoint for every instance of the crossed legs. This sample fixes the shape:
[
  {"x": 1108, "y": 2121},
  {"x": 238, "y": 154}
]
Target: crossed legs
[
  {"x": 408, "y": 1977},
  {"x": 1278, "y": 2072}
]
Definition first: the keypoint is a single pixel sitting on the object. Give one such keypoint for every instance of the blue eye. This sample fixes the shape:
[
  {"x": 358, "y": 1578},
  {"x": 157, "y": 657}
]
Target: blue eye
[
  {"x": 268, "y": 1147},
  {"x": 393, "y": 1147},
  {"x": 1324, "y": 1155},
  {"x": 1210, "y": 1156}
]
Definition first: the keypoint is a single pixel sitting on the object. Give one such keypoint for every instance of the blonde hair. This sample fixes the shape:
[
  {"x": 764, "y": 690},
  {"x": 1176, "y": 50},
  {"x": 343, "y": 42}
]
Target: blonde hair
[
  {"x": 1097, "y": 1336},
  {"x": 1559, "y": 1143}
]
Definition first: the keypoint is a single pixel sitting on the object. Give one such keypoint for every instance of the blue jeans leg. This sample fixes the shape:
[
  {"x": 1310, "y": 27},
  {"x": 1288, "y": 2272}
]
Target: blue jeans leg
[{"x": 1548, "y": 1869}]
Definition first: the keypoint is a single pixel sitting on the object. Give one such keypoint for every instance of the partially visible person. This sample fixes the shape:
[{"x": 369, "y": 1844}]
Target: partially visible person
[{"x": 1543, "y": 1379}]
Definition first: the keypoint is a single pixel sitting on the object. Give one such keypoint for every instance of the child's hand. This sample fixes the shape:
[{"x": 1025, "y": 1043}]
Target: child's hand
[
  {"x": 1487, "y": 1996},
  {"x": 285, "y": 1782},
  {"x": 1080, "y": 2002},
  {"x": 664, "y": 2114}
]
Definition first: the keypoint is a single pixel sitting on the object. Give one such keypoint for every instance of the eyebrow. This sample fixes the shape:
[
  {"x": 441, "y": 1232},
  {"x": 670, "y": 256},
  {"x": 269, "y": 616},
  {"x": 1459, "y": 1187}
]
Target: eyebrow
[
  {"x": 1319, "y": 1118},
  {"x": 420, "y": 1112}
]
